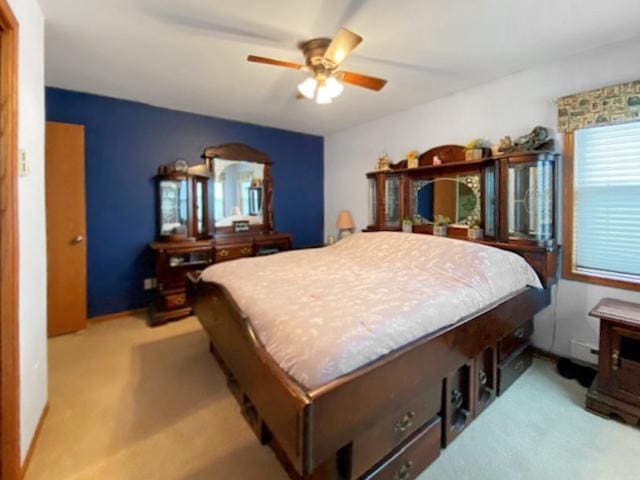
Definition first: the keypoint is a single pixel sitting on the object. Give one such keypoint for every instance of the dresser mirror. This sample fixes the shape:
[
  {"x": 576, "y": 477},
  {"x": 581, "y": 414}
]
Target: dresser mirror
[
  {"x": 457, "y": 198},
  {"x": 238, "y": 192},
  {"x": 242, "y": 188}
]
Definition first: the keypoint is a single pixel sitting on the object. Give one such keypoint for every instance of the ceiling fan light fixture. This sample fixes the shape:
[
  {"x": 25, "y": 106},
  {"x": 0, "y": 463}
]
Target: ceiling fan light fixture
[
  {"x": 323, "y": 95},
  {"x": 308, "y": 87},
  {"x": 334, "y": 87}
]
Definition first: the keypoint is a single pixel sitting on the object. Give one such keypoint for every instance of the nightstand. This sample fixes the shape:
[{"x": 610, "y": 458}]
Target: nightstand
[{"x": 616, "y": 390}]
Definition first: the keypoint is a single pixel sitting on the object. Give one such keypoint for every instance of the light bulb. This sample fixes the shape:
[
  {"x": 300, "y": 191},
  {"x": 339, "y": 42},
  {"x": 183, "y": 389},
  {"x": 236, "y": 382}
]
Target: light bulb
[
  {"x": 323, "y": 95},
  {"x": 308, "y": 87},
  {"x": 334, "y": 86}
]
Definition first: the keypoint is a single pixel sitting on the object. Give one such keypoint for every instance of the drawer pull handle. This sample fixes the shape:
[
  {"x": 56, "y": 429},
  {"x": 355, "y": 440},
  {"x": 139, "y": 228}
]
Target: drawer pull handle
[
  {"x": 519, "y": 365},
  {"x": 246, "y": 251},
  {"x": 482, "y": 377},
  {"x": 404, "y": 472},
  {"x": 519, "y": 333},
  {"x": 615, "y": 360},
  {"x": 456, "y": 398},
  {"x": 224, "y": 253},
  {"x": 405, "y": 422}
]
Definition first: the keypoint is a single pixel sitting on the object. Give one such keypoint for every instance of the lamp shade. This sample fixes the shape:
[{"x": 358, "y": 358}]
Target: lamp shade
[{"x": 345, "y": 220}]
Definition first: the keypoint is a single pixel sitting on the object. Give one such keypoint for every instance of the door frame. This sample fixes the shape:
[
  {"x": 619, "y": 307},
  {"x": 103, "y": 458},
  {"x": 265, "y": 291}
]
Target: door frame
[{"x": 9, "y": 360}]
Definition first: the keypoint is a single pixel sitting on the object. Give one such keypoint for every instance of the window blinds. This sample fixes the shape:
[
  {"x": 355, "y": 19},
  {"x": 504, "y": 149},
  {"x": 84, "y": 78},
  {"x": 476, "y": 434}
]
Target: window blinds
[{"x": 607, "y": 201}]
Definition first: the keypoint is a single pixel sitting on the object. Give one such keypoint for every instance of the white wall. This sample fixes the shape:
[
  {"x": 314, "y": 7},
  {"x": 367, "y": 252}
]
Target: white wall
[
  {"x": 508, "y": 106},
  {"x": 32, "y": 231}
]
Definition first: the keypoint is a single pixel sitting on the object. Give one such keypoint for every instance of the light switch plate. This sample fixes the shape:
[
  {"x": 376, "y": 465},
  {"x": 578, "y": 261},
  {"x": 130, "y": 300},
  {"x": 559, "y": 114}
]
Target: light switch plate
[
  {"x": 23, "y": 164},
  {"x": 150, "y": 283}
]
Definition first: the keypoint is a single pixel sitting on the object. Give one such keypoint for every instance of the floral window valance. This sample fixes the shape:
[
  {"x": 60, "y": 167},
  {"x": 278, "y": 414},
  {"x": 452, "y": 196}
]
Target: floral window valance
[{"x": 615, "y": 104}]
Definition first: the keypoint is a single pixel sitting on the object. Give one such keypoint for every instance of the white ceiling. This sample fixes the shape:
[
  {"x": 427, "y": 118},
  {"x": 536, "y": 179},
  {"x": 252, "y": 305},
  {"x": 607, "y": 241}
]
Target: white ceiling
[{"x": 190, "y": 54}]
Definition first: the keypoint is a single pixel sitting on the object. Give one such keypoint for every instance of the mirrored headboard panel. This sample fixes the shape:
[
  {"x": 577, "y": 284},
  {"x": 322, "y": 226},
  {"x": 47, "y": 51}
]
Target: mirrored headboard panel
[{"x": 457, "y": 198}]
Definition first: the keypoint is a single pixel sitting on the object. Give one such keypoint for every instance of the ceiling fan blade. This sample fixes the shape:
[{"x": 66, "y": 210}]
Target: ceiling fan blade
[
  {"x": 272, "y": 61},
  {"x": 299, "y": 96},
  {"x": 364, "y": 81},
  {"x": 341, "y": 45}
]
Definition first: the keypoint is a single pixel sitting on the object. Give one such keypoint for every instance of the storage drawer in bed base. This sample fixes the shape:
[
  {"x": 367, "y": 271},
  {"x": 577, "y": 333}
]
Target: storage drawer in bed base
[
  {"x": 514, "y": 366},
  {"x": 412, "y": 457},
  {"x": 389, "y": 432}
]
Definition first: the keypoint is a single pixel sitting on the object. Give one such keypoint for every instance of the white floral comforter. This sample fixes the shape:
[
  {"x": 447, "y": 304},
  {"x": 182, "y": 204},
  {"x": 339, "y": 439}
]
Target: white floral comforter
[{"x": 324, "y": 312}]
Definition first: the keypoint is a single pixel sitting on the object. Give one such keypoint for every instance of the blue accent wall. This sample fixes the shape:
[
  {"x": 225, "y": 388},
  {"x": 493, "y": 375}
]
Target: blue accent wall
[{"x": 127, "y": 141}]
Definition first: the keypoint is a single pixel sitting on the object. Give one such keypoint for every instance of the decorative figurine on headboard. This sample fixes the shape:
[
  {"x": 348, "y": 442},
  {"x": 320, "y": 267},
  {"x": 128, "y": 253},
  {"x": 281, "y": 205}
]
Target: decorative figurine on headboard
[
  {"x": 538, "y": 139},
  {"x": 412, "y": 159},
  {"x": 384, "y": 162},
  {"x": 437, "y": 160}
]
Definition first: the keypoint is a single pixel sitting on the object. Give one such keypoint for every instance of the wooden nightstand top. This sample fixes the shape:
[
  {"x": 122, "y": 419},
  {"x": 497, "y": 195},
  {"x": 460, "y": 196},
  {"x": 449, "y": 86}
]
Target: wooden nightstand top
[{"x": 611, "y": 309}]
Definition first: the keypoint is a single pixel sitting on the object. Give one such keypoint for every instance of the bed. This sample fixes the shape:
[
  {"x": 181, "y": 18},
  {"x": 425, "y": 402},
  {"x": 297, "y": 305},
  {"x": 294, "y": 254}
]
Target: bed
[{"x": 364, "y": 359}]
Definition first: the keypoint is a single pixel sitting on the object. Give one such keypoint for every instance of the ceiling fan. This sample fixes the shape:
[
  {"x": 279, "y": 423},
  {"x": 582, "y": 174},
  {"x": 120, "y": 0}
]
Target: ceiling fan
[{"x": 323, "y": 57}]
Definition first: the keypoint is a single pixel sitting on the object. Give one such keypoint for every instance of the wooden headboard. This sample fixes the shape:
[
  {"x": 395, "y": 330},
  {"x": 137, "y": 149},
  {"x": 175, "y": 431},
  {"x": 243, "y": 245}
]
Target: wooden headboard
[{"x": 524, "y": 225}]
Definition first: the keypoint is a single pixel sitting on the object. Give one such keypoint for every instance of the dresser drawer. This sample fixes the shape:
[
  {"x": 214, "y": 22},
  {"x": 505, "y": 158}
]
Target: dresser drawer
[
  {"x": 514, "y": 340},
  {"x": 231, "y": 252},
  {"x": 172, "y": 299},
  {"x": 269, "y": 246},
  {"x": 369, "y": 448},
  {"x": 412, "y": 457},
  {"x": 514, "y": 366}
]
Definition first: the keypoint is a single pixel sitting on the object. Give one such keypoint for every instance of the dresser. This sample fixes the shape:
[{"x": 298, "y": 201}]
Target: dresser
[
  {"x": 616, "y": 390},
  {"x": 216, "y": 211},
  {"x": 174, "y": 260}
]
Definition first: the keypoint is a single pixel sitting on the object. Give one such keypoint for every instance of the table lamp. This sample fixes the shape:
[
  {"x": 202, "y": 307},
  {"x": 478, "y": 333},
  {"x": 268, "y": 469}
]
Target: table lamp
[{"x": 345, "y": 224}]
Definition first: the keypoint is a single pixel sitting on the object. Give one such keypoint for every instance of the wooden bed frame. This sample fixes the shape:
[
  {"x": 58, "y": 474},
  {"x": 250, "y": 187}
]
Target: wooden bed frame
[{"x": 387, "y": 419}]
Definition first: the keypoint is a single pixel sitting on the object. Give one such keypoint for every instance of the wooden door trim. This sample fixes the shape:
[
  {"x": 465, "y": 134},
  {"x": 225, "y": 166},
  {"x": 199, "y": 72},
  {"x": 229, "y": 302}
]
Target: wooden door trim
[{"x": 9, "y": 360}]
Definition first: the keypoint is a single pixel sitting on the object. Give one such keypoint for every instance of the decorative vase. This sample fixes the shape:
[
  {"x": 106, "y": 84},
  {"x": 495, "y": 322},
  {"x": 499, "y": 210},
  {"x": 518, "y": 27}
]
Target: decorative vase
[
  {"x": 440, "y": 230},
  {"x": 412, "y": 162},
  {"x": 407, "y": 227}
]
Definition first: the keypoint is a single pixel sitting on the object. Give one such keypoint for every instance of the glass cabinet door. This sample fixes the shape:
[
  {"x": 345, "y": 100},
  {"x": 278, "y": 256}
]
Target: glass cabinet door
[
  {"x": 392, "y": 201},
  {"x": 490, "y": 201},
  {"x": 201, "y": 206},
  {"x": 530, "y": 200},
  {"x": 173, "y": 207},
  {"x": 373, "y": 201}
]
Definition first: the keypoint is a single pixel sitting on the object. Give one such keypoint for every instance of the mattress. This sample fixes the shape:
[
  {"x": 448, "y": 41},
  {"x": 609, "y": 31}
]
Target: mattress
[{"x": 322, "y": 313}]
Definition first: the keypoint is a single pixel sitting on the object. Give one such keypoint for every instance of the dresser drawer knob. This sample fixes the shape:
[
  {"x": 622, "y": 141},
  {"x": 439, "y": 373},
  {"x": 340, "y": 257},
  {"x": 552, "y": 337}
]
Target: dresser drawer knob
[
  {"x": 224, "y": 253},
  {"x": 246, "y": 251},
  {"x": 404, "y": 472},
  {"x": 519, "y": 333},
  {"x": 482, "y": 377},
  {"x": 405, "y": 422},
  {"x": 519, "y": 366}
]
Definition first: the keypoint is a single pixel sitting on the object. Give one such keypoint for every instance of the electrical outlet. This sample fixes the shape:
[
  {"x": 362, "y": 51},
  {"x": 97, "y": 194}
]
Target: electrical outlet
[
  {"x": 150, "y": 283},
  {"x": 23, "y": 165}
]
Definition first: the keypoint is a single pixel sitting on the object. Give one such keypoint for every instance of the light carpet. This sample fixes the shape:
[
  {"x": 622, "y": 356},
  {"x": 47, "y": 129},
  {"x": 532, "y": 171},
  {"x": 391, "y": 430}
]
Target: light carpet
[{"x": 132, "y": 402}]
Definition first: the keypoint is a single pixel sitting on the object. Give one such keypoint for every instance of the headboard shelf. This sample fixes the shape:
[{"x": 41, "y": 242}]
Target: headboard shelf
[
  {"x": 511, "y": 197},
  {"x": 453, "y": 166}
]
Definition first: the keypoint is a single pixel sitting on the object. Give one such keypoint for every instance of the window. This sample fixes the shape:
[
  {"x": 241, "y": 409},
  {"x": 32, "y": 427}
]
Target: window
[{"x": 602, "y": 182}]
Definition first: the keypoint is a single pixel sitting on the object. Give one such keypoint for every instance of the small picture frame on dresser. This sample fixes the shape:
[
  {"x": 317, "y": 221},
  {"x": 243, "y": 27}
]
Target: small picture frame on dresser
[{"x": 240, "y": 226}]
